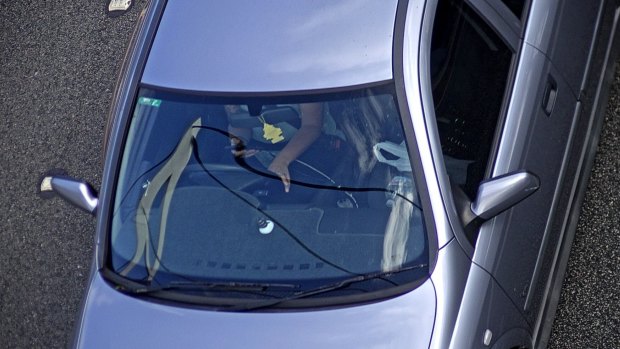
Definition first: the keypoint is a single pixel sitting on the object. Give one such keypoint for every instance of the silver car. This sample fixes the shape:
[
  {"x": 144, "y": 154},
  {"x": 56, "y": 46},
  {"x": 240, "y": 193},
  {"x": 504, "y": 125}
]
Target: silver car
[{"x": 344, "y": 174}]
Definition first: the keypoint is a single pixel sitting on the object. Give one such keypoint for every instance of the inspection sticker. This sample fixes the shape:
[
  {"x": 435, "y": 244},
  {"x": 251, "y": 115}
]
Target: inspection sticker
[{"x": 151, "y": 102}]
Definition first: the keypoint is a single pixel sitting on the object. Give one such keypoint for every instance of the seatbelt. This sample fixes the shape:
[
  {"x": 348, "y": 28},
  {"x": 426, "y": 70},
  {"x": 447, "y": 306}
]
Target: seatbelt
[
  {"x": 169, "y": 173},
  {"x": 397, "y": 229}
]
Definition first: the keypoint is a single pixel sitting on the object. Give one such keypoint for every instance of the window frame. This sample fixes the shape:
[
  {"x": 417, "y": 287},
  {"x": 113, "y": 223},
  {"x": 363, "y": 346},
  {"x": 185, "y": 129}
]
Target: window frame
[
  {"x": 499, "y": 17},
  {"x": 514, "y": 42}
]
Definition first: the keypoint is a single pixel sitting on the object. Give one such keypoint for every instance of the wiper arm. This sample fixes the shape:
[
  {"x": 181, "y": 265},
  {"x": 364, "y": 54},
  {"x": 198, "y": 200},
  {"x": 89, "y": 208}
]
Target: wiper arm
[
  {"x": 207, "y": 286},
  {"x": 322, "y": 289}
]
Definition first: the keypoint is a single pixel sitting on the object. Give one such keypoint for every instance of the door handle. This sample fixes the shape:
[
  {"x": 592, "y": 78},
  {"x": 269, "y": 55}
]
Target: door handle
[{"x": 550, "y": 95}]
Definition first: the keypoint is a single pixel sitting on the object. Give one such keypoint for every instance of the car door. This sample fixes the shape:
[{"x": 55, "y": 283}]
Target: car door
[
  {"x": 521, "y": 114},
  {"x": 517, "y": 113},
  {"x": 519, "y": 247},
  {"x": 474, "y": 62},
  {"x": 563, "y": 30}
]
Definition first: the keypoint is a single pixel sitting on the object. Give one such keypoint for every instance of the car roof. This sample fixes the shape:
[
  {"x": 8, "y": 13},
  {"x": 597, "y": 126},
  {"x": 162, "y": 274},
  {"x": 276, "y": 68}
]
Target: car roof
[{"x": 268, "y": 46}]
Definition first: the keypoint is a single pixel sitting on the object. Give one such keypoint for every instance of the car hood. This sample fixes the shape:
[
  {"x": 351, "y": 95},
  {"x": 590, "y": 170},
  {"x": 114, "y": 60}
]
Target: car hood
[{"x": 111, "y": 319}]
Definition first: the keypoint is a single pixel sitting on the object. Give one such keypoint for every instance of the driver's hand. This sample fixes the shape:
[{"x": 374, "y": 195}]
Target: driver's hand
[
  {"x": 237, "y": 148},
  {"x": 280, "y": 168},
  {"x": 244, "y": 153}
]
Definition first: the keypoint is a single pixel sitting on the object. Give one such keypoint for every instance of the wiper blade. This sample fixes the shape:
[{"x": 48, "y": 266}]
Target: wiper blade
[
  {"x": 323, "y": 289},
  {"x": 207, "y": 286}
]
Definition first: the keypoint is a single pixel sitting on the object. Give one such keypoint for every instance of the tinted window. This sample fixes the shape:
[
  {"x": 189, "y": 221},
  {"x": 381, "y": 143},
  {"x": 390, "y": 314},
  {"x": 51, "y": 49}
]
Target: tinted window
[
  {"x": 516, "y": 6},
  {"x": 293, "y": 193},
  {"x": 469, "y": 67}
]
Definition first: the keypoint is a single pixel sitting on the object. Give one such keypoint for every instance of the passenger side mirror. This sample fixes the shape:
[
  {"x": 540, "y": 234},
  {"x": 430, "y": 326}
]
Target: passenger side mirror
[
  {"x": 498, "y": 194},
  {"x": 495, "y": 196},
  {"x": 78, "y": 193}
]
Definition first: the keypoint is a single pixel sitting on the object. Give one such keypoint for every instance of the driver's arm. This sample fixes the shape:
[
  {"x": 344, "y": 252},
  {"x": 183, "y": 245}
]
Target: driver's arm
[{"x": 310, "y": 130}]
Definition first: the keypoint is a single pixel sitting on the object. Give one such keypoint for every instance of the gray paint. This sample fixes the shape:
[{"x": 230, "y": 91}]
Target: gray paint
[
  {"x": 507, "y": 15},
  {"x": 115, "y": 320},
  {"x": 407, "y": 318},
  {"x": 449, "y": 279},
  {"x": 271, "y": 51},
  {"x": 478, "y": 313},
  {"x": 576, "y": 22},
  {"x": 522, "y": 105},
  {"x": 460, "y": 309},
  {"x": 414, "y": 73},
  {"x": 451, "y": 226},
  {"x": 522, "y": 247},
  {"x": 499, "y": 17},
  {"x": 510, "y": 246},
  {"x": 599, "y": 73},
  {"x": 450, "y": 273},
  {"x": 501, "y": 193},
  {"x": 78, "y": 193}
]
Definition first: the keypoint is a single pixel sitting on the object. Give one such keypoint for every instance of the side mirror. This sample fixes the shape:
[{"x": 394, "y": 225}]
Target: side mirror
[
  {"x": 78, "y": 193},
  {"x": 498, "y": 194}
]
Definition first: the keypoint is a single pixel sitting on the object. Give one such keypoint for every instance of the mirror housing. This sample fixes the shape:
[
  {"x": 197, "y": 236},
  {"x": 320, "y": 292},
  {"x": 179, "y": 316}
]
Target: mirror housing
[
  {"x": 498, "y": 194},
  {"x": 78, "y": 193}
]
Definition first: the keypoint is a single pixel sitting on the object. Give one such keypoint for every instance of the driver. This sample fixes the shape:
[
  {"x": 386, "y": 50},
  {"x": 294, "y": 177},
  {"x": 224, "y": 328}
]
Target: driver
[{"x": 297, "y": 140}]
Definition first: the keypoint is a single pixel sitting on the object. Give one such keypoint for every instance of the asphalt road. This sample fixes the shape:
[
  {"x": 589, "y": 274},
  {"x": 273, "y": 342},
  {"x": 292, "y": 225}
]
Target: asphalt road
[
  {"x": 58, "y": 62},
  {"x": 589, "y": 311}
]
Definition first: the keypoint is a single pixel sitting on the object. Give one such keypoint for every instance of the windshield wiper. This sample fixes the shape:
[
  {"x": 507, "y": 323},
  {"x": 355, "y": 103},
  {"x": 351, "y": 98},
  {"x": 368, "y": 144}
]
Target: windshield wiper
[
  {"x": 322, "y": 289},
  {"x": 208, "y": 286}
]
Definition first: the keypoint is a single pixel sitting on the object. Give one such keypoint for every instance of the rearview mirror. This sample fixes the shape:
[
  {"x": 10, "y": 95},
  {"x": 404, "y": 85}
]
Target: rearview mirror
[
  {"x": 272, "y": 116},
  {"x": 78, "y": 193}
]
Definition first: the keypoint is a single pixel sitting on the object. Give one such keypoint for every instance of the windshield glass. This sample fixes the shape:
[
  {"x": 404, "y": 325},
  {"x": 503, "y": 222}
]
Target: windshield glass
[{"x": 288, "y": 193}]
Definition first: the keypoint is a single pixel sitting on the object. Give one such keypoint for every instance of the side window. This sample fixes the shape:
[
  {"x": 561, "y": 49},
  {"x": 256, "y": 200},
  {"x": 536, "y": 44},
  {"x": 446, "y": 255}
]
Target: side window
[
  {"x": 516, "y": 6},
  {"x": 469, "y": 70}
]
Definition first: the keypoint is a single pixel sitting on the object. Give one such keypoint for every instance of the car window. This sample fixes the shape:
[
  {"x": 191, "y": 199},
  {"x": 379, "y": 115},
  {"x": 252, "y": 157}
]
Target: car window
[
  {"x": 199, "y": 198},
  {"x": 516, "y": 6},
  {"x": 469, "y": 69}
]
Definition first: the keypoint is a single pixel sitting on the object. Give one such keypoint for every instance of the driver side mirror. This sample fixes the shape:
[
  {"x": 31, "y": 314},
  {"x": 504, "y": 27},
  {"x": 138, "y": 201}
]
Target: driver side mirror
[{"x": 78, "y": 193}]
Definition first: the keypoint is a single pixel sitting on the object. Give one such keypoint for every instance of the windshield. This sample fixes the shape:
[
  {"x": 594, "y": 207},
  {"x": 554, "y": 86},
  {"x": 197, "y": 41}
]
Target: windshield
[{"x": 268, "y": 197}]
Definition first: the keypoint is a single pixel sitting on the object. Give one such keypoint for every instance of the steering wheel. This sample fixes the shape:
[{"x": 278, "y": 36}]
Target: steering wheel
[{"x": 252, "y": 177}]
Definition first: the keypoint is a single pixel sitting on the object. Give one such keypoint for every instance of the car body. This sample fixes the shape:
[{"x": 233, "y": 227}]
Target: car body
[{"x": 439, "y": 214}]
